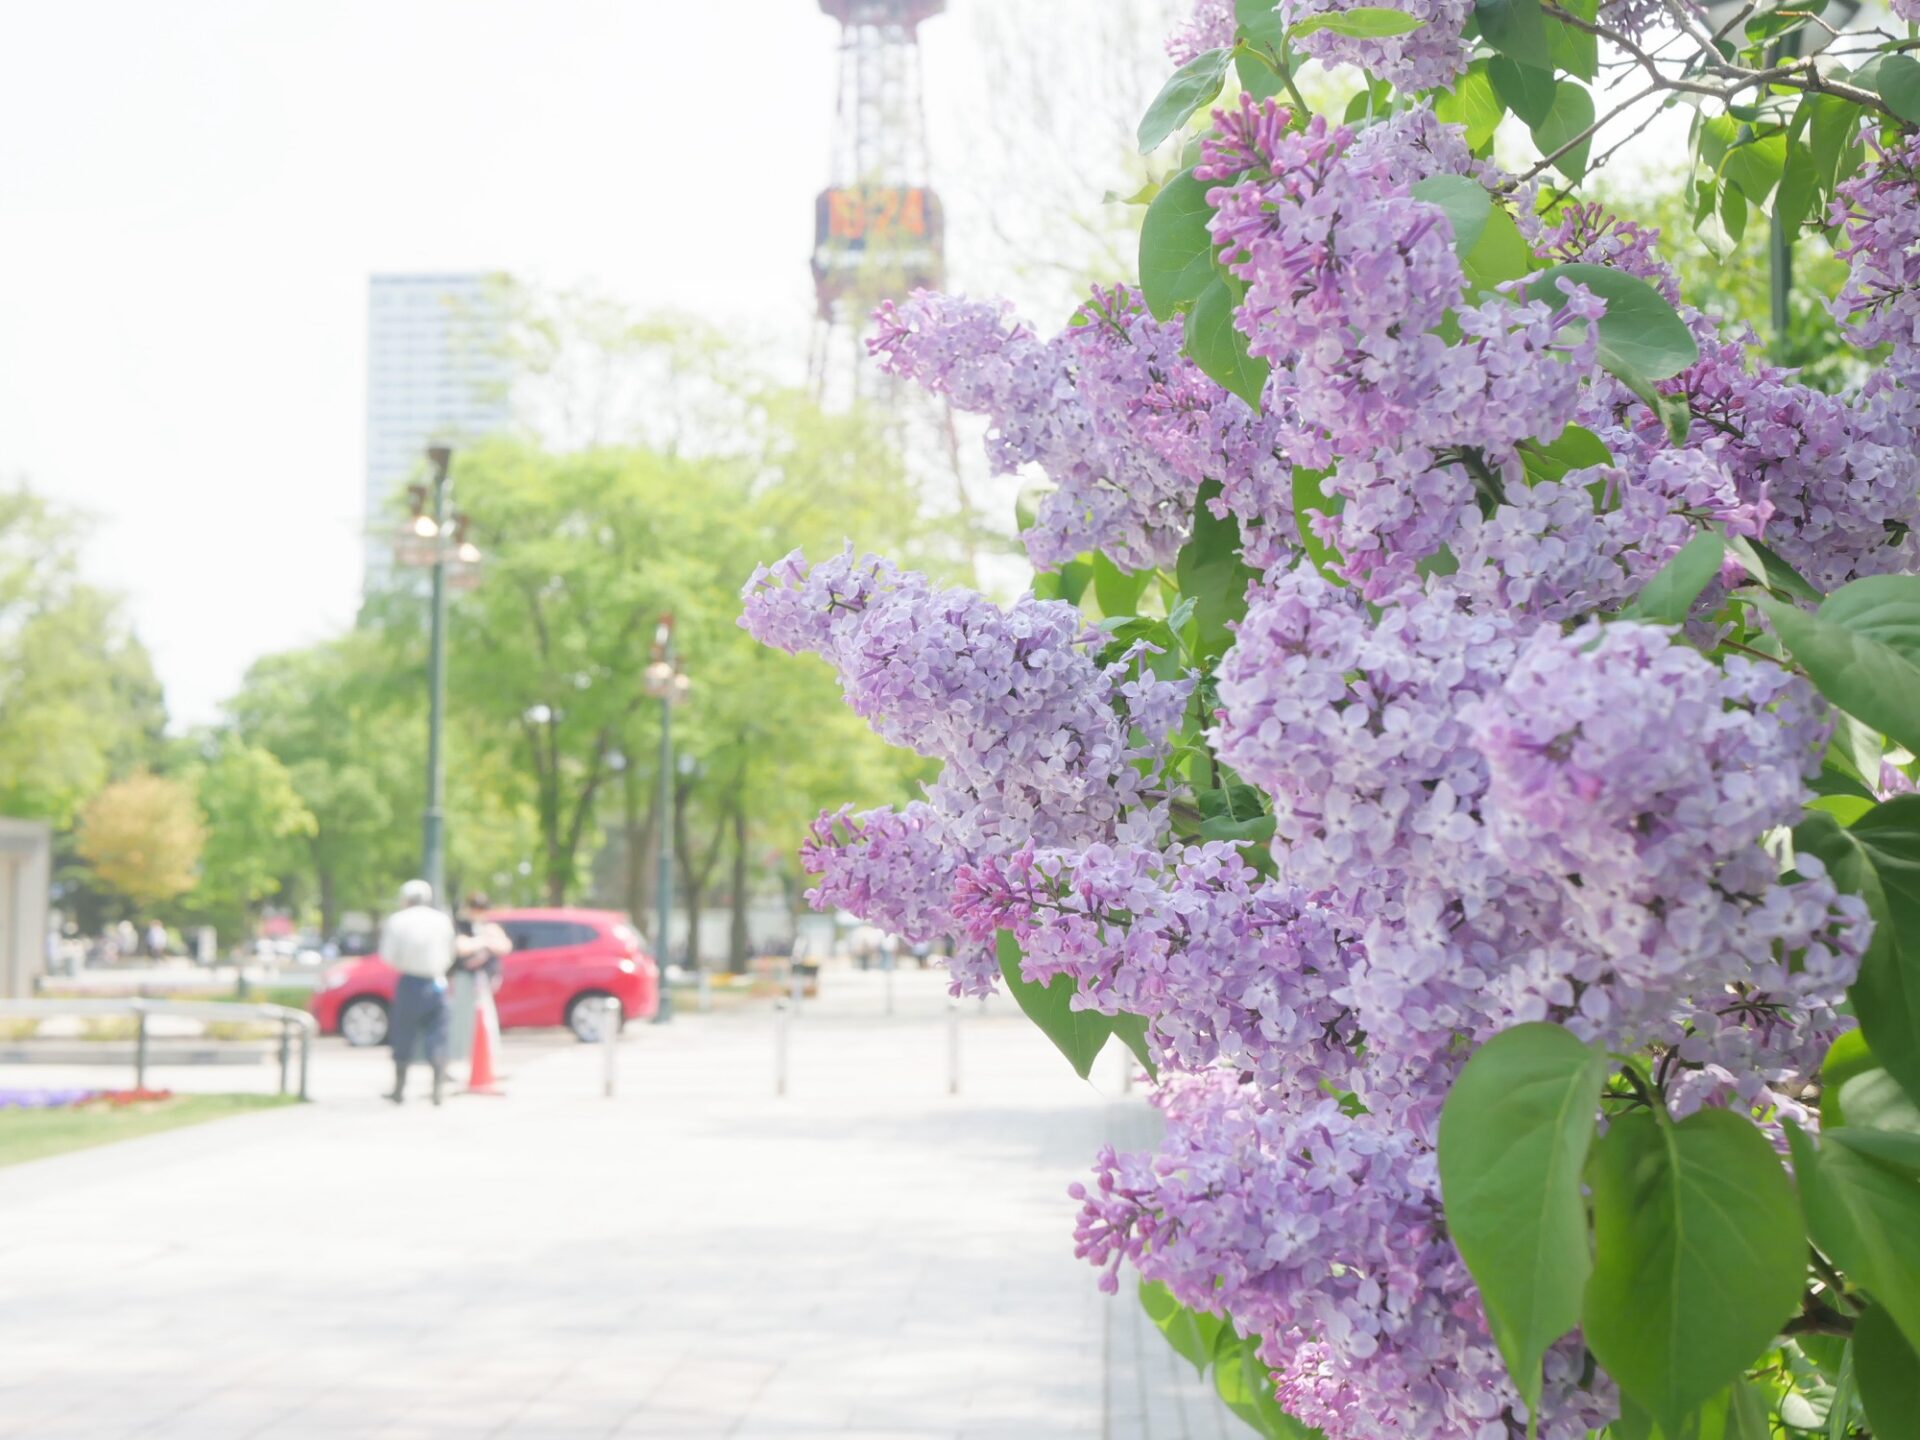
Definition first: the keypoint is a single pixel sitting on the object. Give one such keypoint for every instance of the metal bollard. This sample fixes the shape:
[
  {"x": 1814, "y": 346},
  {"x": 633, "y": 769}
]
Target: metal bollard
[
  {"x": 140, "y": 1046},
  {"x": 798, "y": 986},
  {"x": 286, "y": 1046},
  {"x": 779, "y": 1047},
  {"x": 953, "y": 1047},
  {"x": 306, "y": 1048},
  {"x": 610, "y": 1042}
]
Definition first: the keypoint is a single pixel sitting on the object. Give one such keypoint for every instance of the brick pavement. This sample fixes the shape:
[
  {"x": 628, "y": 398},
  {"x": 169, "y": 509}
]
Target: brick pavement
[{"x": 866, "y": 1257}]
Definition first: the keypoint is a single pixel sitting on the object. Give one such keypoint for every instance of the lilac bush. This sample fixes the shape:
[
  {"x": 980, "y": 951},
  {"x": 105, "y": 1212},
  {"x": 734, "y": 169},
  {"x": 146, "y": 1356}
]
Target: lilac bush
[{"x": 1460, "y": 735}]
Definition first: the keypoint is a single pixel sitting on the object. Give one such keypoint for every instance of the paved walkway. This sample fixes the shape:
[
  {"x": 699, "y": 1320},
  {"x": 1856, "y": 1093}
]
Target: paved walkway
[{"x": 868, "y": 1256}]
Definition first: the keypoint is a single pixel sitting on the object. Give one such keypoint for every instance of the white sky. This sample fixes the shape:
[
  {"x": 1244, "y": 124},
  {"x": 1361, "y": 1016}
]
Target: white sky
[{"x": 192, "y": 197}]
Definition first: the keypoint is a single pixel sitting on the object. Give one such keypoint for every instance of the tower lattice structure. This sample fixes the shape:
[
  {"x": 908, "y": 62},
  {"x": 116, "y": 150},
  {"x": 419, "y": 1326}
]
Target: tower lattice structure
[{"x": 878, "y": 230}]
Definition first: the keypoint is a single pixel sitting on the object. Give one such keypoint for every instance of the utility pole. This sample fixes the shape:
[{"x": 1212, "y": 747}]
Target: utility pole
[
  {"x": 433, "y": 865},
  {"x": 666, "y": 680}
]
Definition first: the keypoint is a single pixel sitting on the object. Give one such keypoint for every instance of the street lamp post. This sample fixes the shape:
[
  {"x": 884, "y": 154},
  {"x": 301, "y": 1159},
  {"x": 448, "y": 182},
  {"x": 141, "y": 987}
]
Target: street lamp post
[
  {"x": 667, "y": 682},
  {"x": 435, "y": 538}
]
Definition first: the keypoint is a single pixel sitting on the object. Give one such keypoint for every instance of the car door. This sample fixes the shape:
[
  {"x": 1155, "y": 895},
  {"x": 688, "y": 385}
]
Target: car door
[
  {"x": 536, "y": 979},
  {"x": 519, "y": 1000}
]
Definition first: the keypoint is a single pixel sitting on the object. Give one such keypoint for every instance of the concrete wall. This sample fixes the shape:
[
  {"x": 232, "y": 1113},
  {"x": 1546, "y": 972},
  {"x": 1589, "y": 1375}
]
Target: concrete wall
[{"x": 26, "y": 873}]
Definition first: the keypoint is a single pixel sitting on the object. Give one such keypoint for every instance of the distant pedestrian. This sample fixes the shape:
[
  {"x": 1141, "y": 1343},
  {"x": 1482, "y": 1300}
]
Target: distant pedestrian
[
  {"x": 417, "y": 940},
  {"x": 156, "y": 940},
  {"x": 479, "y": 946}
]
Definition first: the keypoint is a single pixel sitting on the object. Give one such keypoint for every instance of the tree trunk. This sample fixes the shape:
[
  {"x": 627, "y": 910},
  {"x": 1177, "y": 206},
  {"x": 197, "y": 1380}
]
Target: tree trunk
[
  {"x": 641, "y": 854},
  {"x": 329, "y": 903},
  {"x": 737, "y": 938}
]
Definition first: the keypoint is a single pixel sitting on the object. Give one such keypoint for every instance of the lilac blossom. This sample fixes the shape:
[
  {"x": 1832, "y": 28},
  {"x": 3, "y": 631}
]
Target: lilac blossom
[{"x": 1433, "y": 55}]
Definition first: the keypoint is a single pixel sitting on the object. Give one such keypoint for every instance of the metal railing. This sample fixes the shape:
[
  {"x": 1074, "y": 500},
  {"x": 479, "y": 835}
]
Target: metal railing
[{"x": 287, "y": 1020}]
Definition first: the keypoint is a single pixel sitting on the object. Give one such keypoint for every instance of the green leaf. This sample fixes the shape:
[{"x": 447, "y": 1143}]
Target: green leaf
[
  {"x": 1220, "y": 349},
  {"x": 1781, "y": 20},
  {"x": 1255, "y": 74},
  {"x": 1733, "y": 213},
  {"x": 1699, "y": 1256},
  {"x": 1527, "y": 92},
  {"x": 1362, "y": 22},
  {"x": 1253, "y": 828},
  {"x": 1131, "y": 1030},
  {"x": 1513, "y": 1137},
  {"x": 1798, "y": 188},
  {"x": 1862, "y": 650},
  {"x": 1770, "y": 570},
  {"x": 1570, "y": 115},
  {"x": 1192, "y": 1333},
  {"x": 1194, "y": 84},
  {"x": 1573, "y": 50},
  {"x": 1576, "y": 448},
  {"x": 1502, "y": 254},
  {"x": 1847, "y": 1057},
  {"x": 1886, "y": 1366},
  {"x": 1866, "y": 1217},
  {"x": 1467, "y": 204},
  {"x": 1875, "y": 1100},
  {"x": 1898, "y": 83},
  {"x": 1517, "y": 29},
  {"x": 1642, "y": 338},
  {"x": 1714, "y": 135},
  {"x": 1756, "y": 166},
  {"x": 1259, "y": 23},
  {"x": 1080, "y": 1035},
  {"x": 1309, "y": 497},
  {"x": 1176, "y": 250},
  {"x": 1670, "y": 594},
  {"x": 1117, "y": 591},
  {"x": 1211, "y": 572},
  {"x": 1246, "y": 1386},
  {"x": 1830, "y": 136},
  {"x": 1472, "y": 103},
  {"x": 1878, "y": 859},
  {"x": 1068, "y": 583}
]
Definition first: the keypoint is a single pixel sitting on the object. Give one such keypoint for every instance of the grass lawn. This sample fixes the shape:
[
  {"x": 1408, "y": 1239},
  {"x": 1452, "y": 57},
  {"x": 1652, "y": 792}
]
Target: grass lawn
[{"x": 35, "y": 1134}]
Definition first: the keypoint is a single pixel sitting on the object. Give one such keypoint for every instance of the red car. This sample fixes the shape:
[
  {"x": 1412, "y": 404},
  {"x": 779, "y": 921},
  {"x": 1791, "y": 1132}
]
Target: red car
[{"x": 564, "y": 963}]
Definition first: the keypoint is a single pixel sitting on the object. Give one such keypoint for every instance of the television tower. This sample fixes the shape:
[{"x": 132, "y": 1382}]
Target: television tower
[{"x": 877, "y": 225}]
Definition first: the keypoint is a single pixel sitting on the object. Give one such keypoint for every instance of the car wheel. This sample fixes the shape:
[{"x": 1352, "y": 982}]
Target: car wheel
[
  {"x": 587, "y": 1017},
  {"x": 363, "y": 1022}
]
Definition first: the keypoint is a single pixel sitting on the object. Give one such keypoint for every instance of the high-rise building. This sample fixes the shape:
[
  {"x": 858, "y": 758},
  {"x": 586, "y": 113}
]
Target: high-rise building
[{"x": 437, "y": 372}]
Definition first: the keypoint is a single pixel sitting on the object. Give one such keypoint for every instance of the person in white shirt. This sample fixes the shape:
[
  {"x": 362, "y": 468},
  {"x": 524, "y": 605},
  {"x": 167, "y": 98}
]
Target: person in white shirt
[{"x": 417, "y": 940}]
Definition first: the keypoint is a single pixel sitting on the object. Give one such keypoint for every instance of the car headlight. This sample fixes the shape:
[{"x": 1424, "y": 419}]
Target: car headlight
[{"x": 627, "y": 967}]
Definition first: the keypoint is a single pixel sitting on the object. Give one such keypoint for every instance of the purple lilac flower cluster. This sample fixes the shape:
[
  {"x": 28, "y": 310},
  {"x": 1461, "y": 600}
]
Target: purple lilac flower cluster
[
  {"x": 1123, "y": 424},
  {"x": 1039, "y": 741},
  {"x": 1880, "y": 239},
  {"x": 1349, "y": 277},
  {"x": 1209, "y": 27},
  {"x": 1319, "y": 1229},
  {"x": 1476, "y": 794},
  {"x": 1488, "y": 806},
  {"x": 1432, "y": 55}
]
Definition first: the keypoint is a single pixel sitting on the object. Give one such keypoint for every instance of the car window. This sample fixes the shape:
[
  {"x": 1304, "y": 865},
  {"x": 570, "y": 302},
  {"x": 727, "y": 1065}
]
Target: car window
[{"x": 546, "y": 934}]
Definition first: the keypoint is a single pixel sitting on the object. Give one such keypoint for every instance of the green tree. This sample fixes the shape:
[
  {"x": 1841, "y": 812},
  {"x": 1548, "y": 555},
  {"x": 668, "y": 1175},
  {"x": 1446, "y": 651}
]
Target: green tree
[
  {"x": 143, "y": 837},
  {"x": 257, "y": 825},
  {"x": 347, "y": 720},
  {"x": 79, "y": 703}
]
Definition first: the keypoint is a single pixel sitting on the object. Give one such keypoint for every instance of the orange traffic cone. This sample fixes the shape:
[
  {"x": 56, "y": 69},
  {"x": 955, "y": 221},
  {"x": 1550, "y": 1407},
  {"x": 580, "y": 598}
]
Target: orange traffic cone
[{"x": 486, "y": 1032}]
